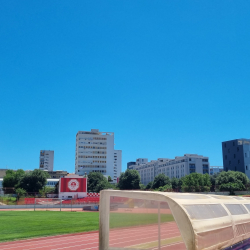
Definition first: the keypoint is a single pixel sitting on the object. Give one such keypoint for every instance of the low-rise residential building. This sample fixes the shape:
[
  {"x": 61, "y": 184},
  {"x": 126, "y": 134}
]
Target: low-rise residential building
[
  {"x": 178, "y": 167},
  {"x": 57, "y": 174},
  {"x": 215, "y": 169},
  {"x": 2, "y": 172},
  {"x": 131, "y": 163},
  {"x": 52, "y": 182}
]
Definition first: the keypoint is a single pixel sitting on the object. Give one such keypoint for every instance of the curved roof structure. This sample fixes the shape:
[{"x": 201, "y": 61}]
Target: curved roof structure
[{"x": 205, "y": 221}]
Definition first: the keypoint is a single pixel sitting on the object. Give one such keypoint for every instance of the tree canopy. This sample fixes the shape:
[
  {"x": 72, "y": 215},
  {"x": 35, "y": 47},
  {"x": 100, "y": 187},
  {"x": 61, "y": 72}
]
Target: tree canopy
[
  {"x": 46, "y": 190},
  {"x": 97, "y": 182},
  {"x": 232, "y": 181},
  {"x": 129, "y": 180},
  {"x": 149, "y": 185},
  {"x": 34, "y": 181},
  {"x": 12, "y": 178},
  {"x": 176, "y": 183},
  {"x": 196, "y": 182},
  {"x": 213, "y": 181},
  {"x": 161, "y": 180}
]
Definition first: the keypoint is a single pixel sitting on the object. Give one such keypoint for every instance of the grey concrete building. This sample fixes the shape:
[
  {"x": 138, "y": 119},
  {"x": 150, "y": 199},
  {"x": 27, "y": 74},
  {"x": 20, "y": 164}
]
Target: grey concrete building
[
  {"x": 236, "y": 155},
  {"x": 177, "y": 167}
]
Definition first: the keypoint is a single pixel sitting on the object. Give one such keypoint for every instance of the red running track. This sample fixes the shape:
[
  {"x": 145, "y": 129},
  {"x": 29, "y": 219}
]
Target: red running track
[{"x": 119, "y": 238}]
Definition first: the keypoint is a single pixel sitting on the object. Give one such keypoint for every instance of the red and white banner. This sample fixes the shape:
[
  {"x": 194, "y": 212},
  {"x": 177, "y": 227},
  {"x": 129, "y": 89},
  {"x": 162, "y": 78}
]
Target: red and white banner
[
  {"x": 73, "y": 185},
  {"x": 93, "y": 194}
]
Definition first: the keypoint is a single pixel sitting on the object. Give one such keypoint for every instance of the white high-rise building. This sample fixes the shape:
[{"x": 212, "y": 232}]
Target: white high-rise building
[
  {"x": 95, "y": 153},
  {"x": 46, "y": 160}
]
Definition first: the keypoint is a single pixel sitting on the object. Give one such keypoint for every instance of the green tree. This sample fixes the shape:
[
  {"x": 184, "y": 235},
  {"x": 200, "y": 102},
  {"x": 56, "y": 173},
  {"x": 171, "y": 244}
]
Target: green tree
[
  {"x": 161, "y": 180},
  {"x": 164, "y": 188},
  {"x": 232, "y": 181},
  {"x": 142, "y": 186},
  {"x": 129, "y": 180},
  {"x": 213, "y": 181},
  {"x": 149, "y": 185},
  {"x": 196, "y": 182},
  {"x": 20, "y": 193},
  {"x": 175, "y": 183},
  {"x": 180, "y": 183},
  {"x": 34, "y": 181},
  {"x": 109, "y": 179},
  {"x": 46, "y": 190},
  {"x": 12, "y": 178},
  {"x": 97, "y": 182}
]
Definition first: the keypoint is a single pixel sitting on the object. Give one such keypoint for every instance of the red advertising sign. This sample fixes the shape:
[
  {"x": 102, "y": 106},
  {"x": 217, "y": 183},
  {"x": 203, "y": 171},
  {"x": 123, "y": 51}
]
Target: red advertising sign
[{"x": 73, "y": 185}]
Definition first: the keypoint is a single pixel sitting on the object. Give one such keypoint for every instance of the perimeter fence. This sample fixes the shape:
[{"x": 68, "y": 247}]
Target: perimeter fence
[{"x": 50, "y": 204}]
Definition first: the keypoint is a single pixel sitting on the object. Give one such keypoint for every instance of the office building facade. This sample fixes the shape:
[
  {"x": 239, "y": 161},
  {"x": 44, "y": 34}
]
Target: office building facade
[
  {"x": 236, "y": 155},
  {"x": 46, "y": 160},
  {"x": 95, "y": 153},
  {"x": 178, "y": 167}
]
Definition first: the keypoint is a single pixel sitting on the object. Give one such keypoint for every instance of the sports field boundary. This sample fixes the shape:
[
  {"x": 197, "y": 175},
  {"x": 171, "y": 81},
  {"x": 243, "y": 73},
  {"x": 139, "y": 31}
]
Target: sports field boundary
[{"x": 5, "y": 243}]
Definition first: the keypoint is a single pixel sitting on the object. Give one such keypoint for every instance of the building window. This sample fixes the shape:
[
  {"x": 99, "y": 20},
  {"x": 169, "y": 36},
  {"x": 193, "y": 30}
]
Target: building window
[
  {"x": 238, "y": 149},
  {"x": 235, "y": 168},
  {"x": 225, "y": 156},
  {"x": 246, "y": 168},
  {"x": 192, "y": 168},
  {"x": 234, "y": 155},
  {"x": 238, "y": 161},
  {"x": 205, "y": 169}
]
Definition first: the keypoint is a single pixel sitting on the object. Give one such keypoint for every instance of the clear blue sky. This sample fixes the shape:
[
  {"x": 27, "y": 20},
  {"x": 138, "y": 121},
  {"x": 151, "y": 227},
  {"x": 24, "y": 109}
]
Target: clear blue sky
[{"x": 168, "y": 77}]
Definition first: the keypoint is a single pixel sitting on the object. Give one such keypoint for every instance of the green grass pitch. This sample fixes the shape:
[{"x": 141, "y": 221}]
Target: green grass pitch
[
  {"x": 16, "y": 225},
  {"x": 26, "y": 224}
]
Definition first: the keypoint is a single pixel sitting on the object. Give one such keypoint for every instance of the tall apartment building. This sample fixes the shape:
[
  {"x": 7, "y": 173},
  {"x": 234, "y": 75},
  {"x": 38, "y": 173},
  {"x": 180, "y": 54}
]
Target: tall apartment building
[
  {"x": 95, "y": 153},
  {"x": 46, "y": 160},
  {"x": 178, "y": 167},
  {"x": 236, "y": 155}
]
